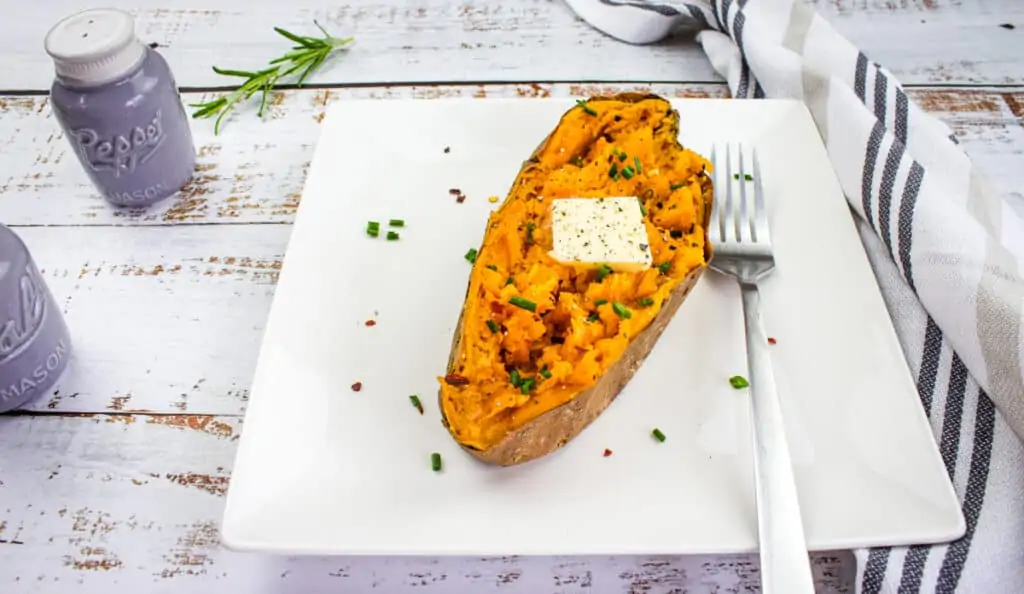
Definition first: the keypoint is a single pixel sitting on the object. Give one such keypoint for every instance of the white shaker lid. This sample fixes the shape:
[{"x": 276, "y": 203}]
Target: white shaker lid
[{"x": 94, "y": 46}]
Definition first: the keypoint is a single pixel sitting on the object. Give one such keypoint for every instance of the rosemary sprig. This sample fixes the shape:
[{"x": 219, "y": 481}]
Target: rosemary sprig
[{"x": 306, "y": 55}]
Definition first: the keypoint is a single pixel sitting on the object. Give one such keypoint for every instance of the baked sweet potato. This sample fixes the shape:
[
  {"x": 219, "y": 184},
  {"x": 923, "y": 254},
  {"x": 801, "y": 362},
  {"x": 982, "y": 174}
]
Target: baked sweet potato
[{"x": 523, "y": 381}]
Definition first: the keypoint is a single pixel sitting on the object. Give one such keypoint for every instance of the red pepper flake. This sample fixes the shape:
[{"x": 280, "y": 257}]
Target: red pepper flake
[
  {"x": 607, "y": 452},
  {"x": 459, "y": 196},
  {"x": 371, "y": 322},
  {"x": 454, "y": 379},
  {"x": 771, "y": 340},
  {"x": 357, "y": 386}
]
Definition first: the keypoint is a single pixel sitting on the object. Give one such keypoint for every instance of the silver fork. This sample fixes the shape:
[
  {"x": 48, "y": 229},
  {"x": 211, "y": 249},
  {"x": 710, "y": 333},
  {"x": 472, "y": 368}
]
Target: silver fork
[{"x": 742, "y": 249}]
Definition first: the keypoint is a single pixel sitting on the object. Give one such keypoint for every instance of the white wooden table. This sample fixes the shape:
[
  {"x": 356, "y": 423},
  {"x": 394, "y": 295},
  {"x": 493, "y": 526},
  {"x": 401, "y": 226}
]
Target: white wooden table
[{"x": 116, "y": 482}]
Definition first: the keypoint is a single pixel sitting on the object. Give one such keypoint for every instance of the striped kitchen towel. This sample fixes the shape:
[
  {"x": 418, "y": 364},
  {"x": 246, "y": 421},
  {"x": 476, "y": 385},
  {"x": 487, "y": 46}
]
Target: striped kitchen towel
[{"x": 946, "y": 250}]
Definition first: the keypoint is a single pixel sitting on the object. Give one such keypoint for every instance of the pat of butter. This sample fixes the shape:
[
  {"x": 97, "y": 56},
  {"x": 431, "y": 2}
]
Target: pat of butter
[{"x": 600, "y": 231}]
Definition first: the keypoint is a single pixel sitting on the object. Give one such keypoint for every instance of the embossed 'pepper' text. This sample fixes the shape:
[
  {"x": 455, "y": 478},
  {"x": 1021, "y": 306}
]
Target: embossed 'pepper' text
[{"x": 124, "y": 152}]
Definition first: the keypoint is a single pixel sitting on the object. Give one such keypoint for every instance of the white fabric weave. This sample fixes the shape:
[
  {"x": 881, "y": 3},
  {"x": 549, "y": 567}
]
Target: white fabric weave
[{"x": 947, "y": 252}]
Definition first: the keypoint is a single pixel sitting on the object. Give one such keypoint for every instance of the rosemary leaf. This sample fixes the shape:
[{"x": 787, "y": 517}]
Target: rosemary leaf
[{"x": 308, "y": 54}]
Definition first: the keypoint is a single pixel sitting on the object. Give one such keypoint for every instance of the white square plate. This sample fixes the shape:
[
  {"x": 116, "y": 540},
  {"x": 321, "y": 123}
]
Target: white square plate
[{"x": 323, "y": 469}]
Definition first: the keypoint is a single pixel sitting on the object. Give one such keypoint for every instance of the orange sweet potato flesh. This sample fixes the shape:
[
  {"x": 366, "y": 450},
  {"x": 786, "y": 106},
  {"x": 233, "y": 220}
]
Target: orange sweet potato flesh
[{"x": 519, "y": 383}]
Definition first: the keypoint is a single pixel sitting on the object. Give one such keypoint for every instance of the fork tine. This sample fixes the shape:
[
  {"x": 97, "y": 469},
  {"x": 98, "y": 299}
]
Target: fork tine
[
  {"x": 743, "y": 227},
  {"x": 760, "y": 218},
  {"x": 715, "y": 225},
  {"x": 728, "y": 224}
]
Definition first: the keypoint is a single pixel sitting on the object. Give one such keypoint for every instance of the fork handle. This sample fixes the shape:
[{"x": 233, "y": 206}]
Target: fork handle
[{"x": 785, "y": 565}]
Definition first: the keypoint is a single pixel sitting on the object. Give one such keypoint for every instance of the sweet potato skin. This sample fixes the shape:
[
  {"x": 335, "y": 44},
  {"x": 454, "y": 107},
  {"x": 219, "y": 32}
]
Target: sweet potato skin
[{"x": 556, "y": 427}]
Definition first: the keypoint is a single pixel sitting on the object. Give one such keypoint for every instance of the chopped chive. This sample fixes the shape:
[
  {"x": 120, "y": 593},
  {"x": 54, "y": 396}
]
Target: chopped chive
[
  {"x": 527, "y": 385},
  {"x": 746, "y": 176},
  {"x": 416, "y": 402},
  {"x": 622, "y": 157},
  {"x": 658, "y": 434},
  {"x": 583, "y": 104},
  {"x": 644, "y": 302},
  {"x": 523, "y": 303},
  {"x": 509, "y": 281},
  {"x": 514, "y": 378},
  {"x": 664, "y": 267},
  {"x": 600, "y": 302},
  {"x": 636, "y": 161},
  {"x": 643, "y": 210},
  {"x": 602, "y": 271},
  {"x": 545, "y": 372},
  {"x": 392, "y": 235},
  {"x": 593, "y": 317},
  {"x": 435, "y": 462},
  {"x": 374, "y": 224},
  {"x": 675, "y": 187},
  {"x": 396, "y": 223},
  {"x": 493, "y": 326},
  {"x": 471, "y": 255},
  {"x": 492, "y": 267},
  {"x": 738, "y": 381},
  {"x": 373, "y": 232},
  {"x": 614, "y": 171},
  {"x": 529, "y": 233},
  {"x": 577, "y": 161},
  {"x": 627, "y": 172},
  {"x": 621, "y": 310}
]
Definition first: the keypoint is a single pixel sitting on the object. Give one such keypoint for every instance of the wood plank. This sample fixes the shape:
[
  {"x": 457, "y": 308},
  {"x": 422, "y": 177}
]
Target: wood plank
[
  {"x": 490, "y": 40},
  {"x": 162, "y": 319},
  {"x": 254, "y": 170},
  {"x": 95, "y": 502}
]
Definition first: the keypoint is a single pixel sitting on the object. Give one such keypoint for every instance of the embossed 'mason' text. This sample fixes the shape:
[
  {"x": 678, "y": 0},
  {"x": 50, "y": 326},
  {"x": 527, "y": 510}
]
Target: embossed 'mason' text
[
  {"x": 52, "y": 363},
  {"x": 138, "y": 195}
]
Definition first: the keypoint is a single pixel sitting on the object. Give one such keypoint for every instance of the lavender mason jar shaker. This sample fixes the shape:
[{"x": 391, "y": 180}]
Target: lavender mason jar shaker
[
  {"x": 34, "y": 343},
  {"x": 117, "y": 102}
]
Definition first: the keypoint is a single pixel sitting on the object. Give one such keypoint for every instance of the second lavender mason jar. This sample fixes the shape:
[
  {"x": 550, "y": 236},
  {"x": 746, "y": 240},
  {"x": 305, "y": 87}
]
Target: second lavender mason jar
[
  {"x": 118, "y": 105},
  {"x": 35, "y": 347}
]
